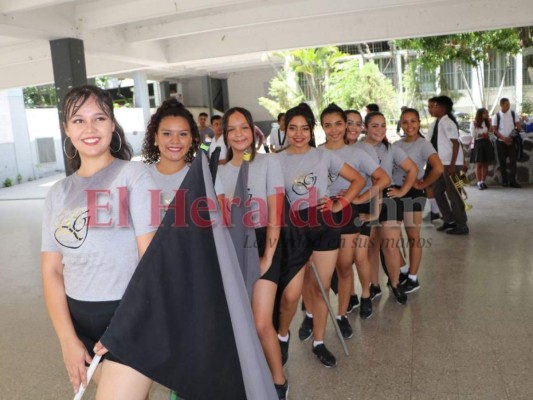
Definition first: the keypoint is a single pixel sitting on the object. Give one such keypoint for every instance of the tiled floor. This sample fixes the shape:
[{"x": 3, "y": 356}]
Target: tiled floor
[{"x": 467, "y": 334}]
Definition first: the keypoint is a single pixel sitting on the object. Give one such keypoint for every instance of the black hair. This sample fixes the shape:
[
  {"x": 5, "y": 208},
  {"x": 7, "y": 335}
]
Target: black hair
[
  {"x": 447, "y": 104},
  {"x": 478, "y": 120},
  {"x": 413, "y": 111},
  {"x": 280, "y": 115},
  {"x": 372, "y": 107},
  {"x": 203, "y": 114},
  {"x": 225, "y": 119},
  {"x": 368, "y": 118},
  {"x": 504, "y": 100},
  {"x": 74, "y": 100},
  {"x": 170, "y": 108},
  {"x": 332, "y": 109},
  {"x": 214, "y": 118},
  {"x": 303, "y": 110}
]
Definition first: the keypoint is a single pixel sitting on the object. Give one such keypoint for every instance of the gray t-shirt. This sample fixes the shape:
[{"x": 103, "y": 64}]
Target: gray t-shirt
[
  {"x": 93, "y": 222},
  {"x": 418, "y": 151},
  {"x": 264, "y": 178},
  {"x": 386, "y": 156},
  {"x": 304, "y": 172},
  {"x": 355, "y": 158},
  {"x": 168, "y": 184}
]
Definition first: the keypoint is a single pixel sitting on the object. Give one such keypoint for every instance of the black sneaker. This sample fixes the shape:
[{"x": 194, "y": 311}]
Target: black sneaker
[
  {"x": 282, "y": 390},
  {"x": 375, "y": 291},
  {"x": 306, "y": 328},
  {"x": 284, "y": 349},
  {"x": 445, "y": 226},
  {"x": 434, "y": 216},
  {"x": 365, "y": 311},
  {"x": 324, "y": 356},
  {"x": 458, "y": 231},
  {"x": 399, "y": 295},
  {"x": 403, "y": 277},
  {"x": 345, "y": 327},
  {"x": 353, "y": 304},
  {"x": 515, "y": 185},
  {"x": 410, "y": 286}
]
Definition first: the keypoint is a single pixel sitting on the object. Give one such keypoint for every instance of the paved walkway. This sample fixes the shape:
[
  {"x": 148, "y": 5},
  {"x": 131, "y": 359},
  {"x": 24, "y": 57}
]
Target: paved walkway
[{"x": 467, "y": 334}]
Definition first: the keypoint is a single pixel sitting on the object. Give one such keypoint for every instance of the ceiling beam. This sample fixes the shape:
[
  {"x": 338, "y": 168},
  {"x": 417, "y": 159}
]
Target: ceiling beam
[{"x": 14, "y": 6}]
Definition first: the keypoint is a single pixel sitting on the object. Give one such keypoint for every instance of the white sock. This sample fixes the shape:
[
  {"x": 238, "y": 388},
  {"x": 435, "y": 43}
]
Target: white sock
[
  {"x": 283, "y": 338},
  {"x": 434, "y": 206},
  {"x": 404, "y": 269},
  {"x": 308, "y": 315},
  {"x": 339, "y": 317},
  {"x": 413, "y": 277},
  {"x": 317, "y": 342}
]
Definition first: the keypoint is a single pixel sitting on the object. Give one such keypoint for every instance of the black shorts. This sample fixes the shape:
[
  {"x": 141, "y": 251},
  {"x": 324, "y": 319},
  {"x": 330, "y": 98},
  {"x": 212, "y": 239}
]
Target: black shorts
[
  {"x": 308, "y": 230},
  {"x": 391, "y": 208},
  {"x": 272, "y": 274},
  {"x": 365, "y": 227},
  {"x": 91, "y": 319},
  {"x": 348, "y": 220},
  {"x": 414, "y": 200}
]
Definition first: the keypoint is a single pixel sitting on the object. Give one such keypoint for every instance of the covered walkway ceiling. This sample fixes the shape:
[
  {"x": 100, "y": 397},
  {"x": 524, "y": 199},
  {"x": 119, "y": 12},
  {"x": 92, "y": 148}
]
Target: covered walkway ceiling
[{"x": 172, "y": 39}]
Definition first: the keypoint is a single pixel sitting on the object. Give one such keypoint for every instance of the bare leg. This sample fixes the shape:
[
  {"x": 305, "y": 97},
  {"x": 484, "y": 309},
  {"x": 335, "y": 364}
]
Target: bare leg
[
  {"x": 120, "y": 382},
  {"x": 412, "y": 221},
  {"x": 307, "y": 289},
  {"x": 289, "y": 302},
  {"x": 373, "y": 254},
  {"x": 325, "y": 264},
  {"x": 345, "y": 271},
  {"x": 362, "y": 263},
  {"x": 390, "y": 236},
  {"x": 263, "y": 306}
]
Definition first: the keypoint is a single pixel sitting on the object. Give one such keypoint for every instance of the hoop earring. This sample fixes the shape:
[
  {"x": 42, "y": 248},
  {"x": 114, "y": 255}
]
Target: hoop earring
[
  {"x": 65, "y": 149},
  {"x": 120, "y": 143}
]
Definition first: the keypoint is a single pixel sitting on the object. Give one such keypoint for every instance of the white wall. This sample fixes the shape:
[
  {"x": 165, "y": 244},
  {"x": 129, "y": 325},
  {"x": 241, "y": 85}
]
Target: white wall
[{"x": 246, "y": 87}]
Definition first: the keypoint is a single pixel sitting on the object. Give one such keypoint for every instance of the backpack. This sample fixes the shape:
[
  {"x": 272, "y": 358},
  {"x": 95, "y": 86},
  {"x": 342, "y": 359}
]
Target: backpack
[{"x": 517, "y": 139}]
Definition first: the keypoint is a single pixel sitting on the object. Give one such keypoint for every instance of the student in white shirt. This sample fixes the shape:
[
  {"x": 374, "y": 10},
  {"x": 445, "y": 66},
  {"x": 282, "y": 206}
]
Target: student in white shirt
[
  {"x": 503, "y": 124},
  {"x": 218, "y": 139},
  {"x": 278, "y": 139}
]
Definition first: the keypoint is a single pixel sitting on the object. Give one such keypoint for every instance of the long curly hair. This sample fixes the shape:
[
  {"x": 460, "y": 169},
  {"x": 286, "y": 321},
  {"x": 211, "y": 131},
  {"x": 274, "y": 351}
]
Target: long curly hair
[
  {"x": 74, "y": 100},
  {"x": 170, "y": 108}
]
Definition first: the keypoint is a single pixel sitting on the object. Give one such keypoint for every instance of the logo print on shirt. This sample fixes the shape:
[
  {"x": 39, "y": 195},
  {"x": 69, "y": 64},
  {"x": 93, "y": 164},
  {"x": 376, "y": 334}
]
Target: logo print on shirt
[
  {"x": 73, "y": 229},
  {"x": 302, "y": 184}
]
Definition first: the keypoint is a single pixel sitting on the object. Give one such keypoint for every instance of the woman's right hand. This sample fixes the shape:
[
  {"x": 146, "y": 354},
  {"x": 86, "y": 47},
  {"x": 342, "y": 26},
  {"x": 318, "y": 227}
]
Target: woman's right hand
[{"x": 75, "y": 356}]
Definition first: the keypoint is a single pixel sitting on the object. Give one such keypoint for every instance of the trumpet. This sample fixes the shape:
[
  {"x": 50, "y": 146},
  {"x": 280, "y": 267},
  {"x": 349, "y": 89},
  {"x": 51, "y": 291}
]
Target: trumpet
[{"x": 459, "y": 182}]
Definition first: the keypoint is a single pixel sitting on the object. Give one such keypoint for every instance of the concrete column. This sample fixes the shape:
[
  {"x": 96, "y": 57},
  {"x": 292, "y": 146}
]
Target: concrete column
[
  {"x": 398, "y": 71},
  {"x": 164, "y": 91},
  {"x": 68, "y": 61},
  {"x": 518, "y": 82},
  {"x": 21, "y": 137},
  {"x": 142, "y": 99},
  {"x": 209, "y": 91}
]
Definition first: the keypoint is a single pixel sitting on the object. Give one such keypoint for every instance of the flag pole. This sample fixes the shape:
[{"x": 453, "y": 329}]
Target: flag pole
[
  {"x": 330, "y": 310},
  {"x": 90, "y": 372}
]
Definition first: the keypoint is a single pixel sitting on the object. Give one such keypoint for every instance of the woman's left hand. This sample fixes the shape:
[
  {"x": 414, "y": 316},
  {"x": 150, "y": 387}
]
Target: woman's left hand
[{"x": 394, "y": 193}]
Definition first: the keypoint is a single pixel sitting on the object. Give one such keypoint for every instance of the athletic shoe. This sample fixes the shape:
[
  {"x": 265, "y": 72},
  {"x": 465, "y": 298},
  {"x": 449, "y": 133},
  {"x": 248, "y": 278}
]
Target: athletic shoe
[
  {"x": 458, "y": 231},
  {"x": 353, "y": 304},
  {"x": 282, "y": 390},
  {"x": 306, "y": 328},
  {"x": 410, "y": 286},
  {"x": 345, "y": 327},
  {"x": 365, "y": 311},
  {"x": 324, "y": 356},
  {"x": 434, "y": 216},
  {"x": 403, "y": 277},
  {"x": 375, "y": 291},
  {"x": 284, "y": 349},
  {"x": 480, "y": 186},
  {"x": 445, "y": 226},
  {"x": 484, "y": 185},
  {"x": 399, "y": 295}
]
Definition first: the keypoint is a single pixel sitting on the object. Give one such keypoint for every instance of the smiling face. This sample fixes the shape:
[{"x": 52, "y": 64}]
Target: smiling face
[
  {"x": 376, "y": 129},
  {"x": 173, "y": 139},
  {"x": 334, "y": 127},
  {"x": 410, "y": 124},
  {"x": 240, "y": 133},
  {"x": 354, "y": 126},
  {"x": 299, "y": 133},
  {"x": 90, "y": 129}
]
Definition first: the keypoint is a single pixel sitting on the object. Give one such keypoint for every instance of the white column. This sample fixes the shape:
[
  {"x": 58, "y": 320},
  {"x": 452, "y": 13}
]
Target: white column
[
  {"x": 518, "y": 82},
  {"x": 399, "y": 79},
  {"x": 142, "y": 99},
  {"x": 476, "y": 87}
]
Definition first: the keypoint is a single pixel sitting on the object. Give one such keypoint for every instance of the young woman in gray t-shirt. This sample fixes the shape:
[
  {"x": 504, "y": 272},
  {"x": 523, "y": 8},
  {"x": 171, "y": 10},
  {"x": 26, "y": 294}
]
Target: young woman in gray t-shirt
[
  {"x": 96, "y": 227},
  {"x": 354, "y": 236},
  {"x": 312, "y": 228},
  {"x": 171, "y": 140},
  {"x": 265, "y": 197}
]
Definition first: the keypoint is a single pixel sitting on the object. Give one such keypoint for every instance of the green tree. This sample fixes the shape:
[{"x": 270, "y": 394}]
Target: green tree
[
  {"x": 472, "y": 49},
  {"x": 40, "y": 96},
  {"x": 353, "y": 87}
]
